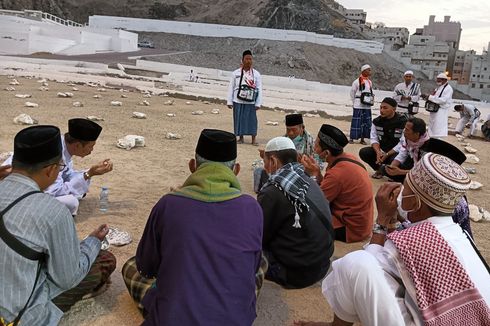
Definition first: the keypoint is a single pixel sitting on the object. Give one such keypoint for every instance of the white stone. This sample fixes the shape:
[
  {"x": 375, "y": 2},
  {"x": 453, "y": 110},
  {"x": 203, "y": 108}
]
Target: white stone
[
  {"x": 25, "y": 119},
  {"x": 139, "y": 115},
  {"x": 124, "y": 96},
  {"x": 470, "y": 149},
  {"x": 171, "y": 115},
  {"x": 147, "y": 96},
  {"x": 144, "y": 103},
  {"x": 188, "y": 103},
  {"x": 43, "y": 89},
  {"x": 117, "y": 237},
  {"x": 23, "y": 95},
  {"x": 78, "y": 104},
  {"x": 95, "y": 118},
  {"x": 169, "y": 102},
  {"x": 116, "y": 103},
  {"x": 74, "y": 89},
  {"x": 64, "y": 95},
  {"x": 465, "y": 144},
  {"x": 310, "y": 115},
  {"x": 44, "y": 84},
  {"x": 31, "y": 105},
  {"x": 475, "y": 213},
  {"x": 198, "y": 112},
  {"x": 272, "y": 123},
  {"x": 10, "y": 89},
  {"x": 206, "y": 102},
  {"x": 215, "y": 111},
  {"x": 475, "y": 185},
  {"x": 170, "y": 135},
  {"x": 43, "y": 80},
  {"x": 131, "y": 141},
  {"x": 97, "y": 96},
  {"x": 472, "y": 159},
  {"x": 14, "y": 82},
  {"x": 102, "y": 90}
]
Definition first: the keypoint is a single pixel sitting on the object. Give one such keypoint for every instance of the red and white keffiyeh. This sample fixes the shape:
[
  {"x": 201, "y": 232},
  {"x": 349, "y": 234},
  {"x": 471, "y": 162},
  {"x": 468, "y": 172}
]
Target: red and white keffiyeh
[{"x": 445, "y": 293}]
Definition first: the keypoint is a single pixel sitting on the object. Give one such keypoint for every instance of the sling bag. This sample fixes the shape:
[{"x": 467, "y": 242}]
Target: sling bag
[
  {"x": 246, "y": 93},
  {"x": 23, "y": 250},
  {"x": 367, "y": 98},
  {"x": 413, "y": 107},
  {"x": 434, "y": 107}
]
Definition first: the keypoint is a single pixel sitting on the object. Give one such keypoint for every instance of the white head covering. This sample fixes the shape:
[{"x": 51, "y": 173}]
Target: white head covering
[
  {"x": 408, "y": 72},
  {"x": 364, "y": 67},
  {"x": 279, "y": 144},
  {"x": 441, "y": 76}
]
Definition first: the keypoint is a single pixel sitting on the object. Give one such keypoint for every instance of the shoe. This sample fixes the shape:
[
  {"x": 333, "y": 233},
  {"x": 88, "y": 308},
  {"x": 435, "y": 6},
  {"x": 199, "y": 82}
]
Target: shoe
[
  {"x": 255, "y": 144},
  {"x": 351, "y": 141},
  {"x": 363, "y": 142}
]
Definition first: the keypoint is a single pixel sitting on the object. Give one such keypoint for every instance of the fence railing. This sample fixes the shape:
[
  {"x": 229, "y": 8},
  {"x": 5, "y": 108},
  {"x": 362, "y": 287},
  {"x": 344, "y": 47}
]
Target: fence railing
[{"x": 39, "y": 15}]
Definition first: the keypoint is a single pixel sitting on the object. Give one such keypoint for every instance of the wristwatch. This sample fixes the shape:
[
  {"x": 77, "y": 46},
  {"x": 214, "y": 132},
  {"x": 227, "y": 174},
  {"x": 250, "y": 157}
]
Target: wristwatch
[
  {"x": 380, "y": 229},
  {"x": 86, "y": 175}
]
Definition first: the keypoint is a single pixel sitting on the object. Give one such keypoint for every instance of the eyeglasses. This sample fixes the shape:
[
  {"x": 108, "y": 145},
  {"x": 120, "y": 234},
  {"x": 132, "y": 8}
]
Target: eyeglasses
[{"x": 61, "y": 166}]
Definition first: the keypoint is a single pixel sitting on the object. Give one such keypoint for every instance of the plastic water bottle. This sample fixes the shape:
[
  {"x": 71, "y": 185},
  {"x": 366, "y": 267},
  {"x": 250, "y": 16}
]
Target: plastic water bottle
[{"x": 104, "y": 199}]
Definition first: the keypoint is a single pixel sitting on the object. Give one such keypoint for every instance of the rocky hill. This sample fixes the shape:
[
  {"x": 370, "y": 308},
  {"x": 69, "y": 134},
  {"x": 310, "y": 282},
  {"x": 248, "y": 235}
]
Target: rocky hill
[{"x": 308, "y": 15}]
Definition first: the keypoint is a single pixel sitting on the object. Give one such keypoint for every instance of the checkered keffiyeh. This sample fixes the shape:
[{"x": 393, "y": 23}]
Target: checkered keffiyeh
[
  {"x": 445, "y": 293},
  {"x": 292, "y": 181}
]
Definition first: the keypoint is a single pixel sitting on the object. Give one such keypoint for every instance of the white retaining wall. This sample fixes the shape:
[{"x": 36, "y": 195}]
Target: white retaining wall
[{"x": 215, "y": 30}]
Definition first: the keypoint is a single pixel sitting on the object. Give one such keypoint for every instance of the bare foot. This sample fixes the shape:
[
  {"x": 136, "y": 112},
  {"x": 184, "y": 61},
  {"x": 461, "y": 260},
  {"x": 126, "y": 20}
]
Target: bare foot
[{"x": 311, "y": 323}]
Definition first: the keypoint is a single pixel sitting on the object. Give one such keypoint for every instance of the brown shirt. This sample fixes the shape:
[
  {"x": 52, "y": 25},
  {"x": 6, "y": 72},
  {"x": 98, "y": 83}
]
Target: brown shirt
[{"x": 349, "y": 190}]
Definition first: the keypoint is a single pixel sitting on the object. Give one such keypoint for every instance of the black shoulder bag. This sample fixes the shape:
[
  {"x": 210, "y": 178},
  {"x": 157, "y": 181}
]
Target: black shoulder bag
[
  {"x": 434, "y": 107},
  {"x": 367, "y": 98},
  {"x": 413, "y": 107},
  {"x": 20, "y": 248},
  {"x": 245, "y": 92}
]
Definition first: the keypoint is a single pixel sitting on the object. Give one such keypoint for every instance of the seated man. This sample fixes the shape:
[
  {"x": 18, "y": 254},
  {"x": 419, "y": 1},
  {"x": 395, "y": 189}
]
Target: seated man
[
  {"x": 298, "y": 235},
  {"x": 45, "y": 269},
  {"x": 197, "y": 260},
  {"x": 469, "y": 114},
  {"x": 71, "y": 185},
  {"x": 386, "y": 132},
  {"x": 414, "y": 137},
  {"x": 485, "y": 129},
  {"x": 426, "y": 274},
  {"x": 346, "y": 185}
]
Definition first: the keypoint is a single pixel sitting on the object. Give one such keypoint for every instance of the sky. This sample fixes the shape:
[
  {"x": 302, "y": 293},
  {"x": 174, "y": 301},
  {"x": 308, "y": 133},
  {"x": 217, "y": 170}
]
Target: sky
[{"x": 474, "y": 16}]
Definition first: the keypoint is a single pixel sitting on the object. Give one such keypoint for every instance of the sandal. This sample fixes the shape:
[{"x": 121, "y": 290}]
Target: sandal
[
  {"x": 377, "y": 175},
  {"x": 255, "y": 144},
  {"x": 351, "y": 141},
  {"x": 240, "y": 141},
  {"x": 363, "y": 142}
]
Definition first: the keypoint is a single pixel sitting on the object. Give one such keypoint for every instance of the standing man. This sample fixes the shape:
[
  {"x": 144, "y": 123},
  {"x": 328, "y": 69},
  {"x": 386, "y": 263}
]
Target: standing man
[
  {"x": 44, "y": 268},
  {"x": 200, "y": 253},
  {"x": 469, "y": 114},
  {"x": 245, "y": 98},
  {"x": 346, "y": 185},
  {"x": 407, "y": 95},
  {"x": 438, "y": 104},
  {"x": 362, "y": 98},
  {"x": 386, "y": 132},
  {"x": 298, "y": 235}
]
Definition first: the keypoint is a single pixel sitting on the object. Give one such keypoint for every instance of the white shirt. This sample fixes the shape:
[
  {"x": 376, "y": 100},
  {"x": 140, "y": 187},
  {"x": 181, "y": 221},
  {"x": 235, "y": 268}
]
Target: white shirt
[
  {"x": 355, "y": 94},
  {"x": 412, "y": 90},
  {"x": 234, "y": 86},
  {"x": 469, "y": 112},
  {"x": 438, "y": 120}
]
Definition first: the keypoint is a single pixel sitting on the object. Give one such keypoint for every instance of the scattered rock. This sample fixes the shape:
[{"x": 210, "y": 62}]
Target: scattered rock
[
  {"x": 311, "y": 115},
  {"x": 147, "y": 96},
  {"x": 188, "y": 103},
  {"x": 44, "y": 84},
  {"x": 25, "y": 119},
  {"x": 14, "y": 82},
  {"x": 470, "y": 170},
  {"x": 116, "y": 103},
  {"x": 198, "y": 112},
  {"x": 23, "y": 95},
  {"x": 31, "y": 105},
  {"x": 95, "y": 118},
  {"x": 475, "y": 214},
  {"x": 215, "y": 111},
  {"x": 70, "y": 84},
  {"x": 97, "y": 96},
  {"x": 171, "y": 115},
  {"x": 74, "y": 89},
  {"x": 43, "y": 80},
  {"x": 10, "y": 89},
  {"x": 124, "y": 96},
  {"x": 144, "y": 103},
  {"x": 472, "y": 159},
  {"x": 460, "y": 137},
  {"x": 465, "y": 144},
  {"x": 131, "y": 141},
  {"x": 139, "y": 115},
  {"x": 165, "y": 95},
  {"x": 272, "y": 123},
  {"x": 170, "y": 135},
  {"x": 475, "y": 185},
  {"x": 169, "y": 102},
  {"x": 102, "y": 90},
  {"x": 77, "y": 104},
  {"x": 206, "y": 102},
  {"x": 43, "y": 89},
  {"x": 64, "y": 95},
  {"x": 470, "y": 149}
]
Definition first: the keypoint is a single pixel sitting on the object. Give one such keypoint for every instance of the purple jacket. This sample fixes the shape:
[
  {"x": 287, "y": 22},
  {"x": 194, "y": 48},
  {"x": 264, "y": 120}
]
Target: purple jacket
[{"x": 204, "y": 256}]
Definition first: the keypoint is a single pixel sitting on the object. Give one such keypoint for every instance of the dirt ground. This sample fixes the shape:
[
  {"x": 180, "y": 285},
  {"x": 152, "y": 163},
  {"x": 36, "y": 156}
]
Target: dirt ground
[{"x": 141, "y": 176}]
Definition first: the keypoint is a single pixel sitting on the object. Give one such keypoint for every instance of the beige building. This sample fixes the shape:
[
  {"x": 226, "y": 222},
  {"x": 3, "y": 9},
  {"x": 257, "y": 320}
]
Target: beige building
[
  {"x": 461, "y": 70},
  {"x": 355, "y": 16},
  {"x": 393, "y": 37},
  {"x": 479, "y": 84}
]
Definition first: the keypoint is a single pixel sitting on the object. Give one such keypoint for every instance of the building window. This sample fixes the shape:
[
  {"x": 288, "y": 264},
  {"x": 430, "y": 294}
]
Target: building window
[
  {"x": 481, "y": 85},
  {"x": 488, "y": 86},
  {"x": 485, "y": 69},
  {"x": 473, "y": 85}
]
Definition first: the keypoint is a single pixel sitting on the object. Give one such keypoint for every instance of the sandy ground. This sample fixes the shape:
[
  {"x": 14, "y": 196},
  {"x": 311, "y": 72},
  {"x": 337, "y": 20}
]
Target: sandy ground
[{"x": 141, "y": 176}]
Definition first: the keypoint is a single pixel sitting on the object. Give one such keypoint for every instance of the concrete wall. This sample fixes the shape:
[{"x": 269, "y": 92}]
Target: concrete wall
[{"x": 215, "y": 30}]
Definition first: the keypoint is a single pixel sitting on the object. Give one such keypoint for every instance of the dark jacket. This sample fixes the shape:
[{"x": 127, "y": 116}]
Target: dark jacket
[{"x": 389, "y": 131}]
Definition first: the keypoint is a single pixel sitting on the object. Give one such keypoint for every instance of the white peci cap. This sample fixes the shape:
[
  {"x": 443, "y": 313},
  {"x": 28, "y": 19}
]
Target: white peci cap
[
  {"x": 279, "y": 144},
  {"x": 364, "y": 67},
  {"x": 441, "y": 76},
  {"x": 408, "y": 72}
]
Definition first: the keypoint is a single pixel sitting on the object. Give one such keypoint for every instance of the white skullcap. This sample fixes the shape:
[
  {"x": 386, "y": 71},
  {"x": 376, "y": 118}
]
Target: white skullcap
[
  {"x": 441, "y": 76},
  {"x": 279, "y": 144},
  {"x": 364, "y": 67},
  {"x": 408, "y": 72}
]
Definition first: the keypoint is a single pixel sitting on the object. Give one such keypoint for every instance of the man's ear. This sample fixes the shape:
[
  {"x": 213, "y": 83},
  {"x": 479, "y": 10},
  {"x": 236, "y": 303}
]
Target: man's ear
[
  {"x": 192, "y": 165},
  {"x": 51, "y": 169},
  {"x": 236, "y": 168}
]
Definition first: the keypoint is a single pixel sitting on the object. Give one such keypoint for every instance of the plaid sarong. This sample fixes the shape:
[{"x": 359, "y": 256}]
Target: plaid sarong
[
  {"x": 97, "y": 277},
  {"x": 138, "y": 285},
  {"x": 360, "y": 126}
]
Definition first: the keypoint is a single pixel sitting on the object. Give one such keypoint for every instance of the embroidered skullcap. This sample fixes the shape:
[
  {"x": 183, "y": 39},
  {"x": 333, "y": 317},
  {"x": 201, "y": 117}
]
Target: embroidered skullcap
[
  {"x": 217, "y": 145},
  {"x": 408, "y": 72},
  {"x": 390, "y": 101},
  {"x": 37, "y": 144},
  {"x": 439, "y": 182},
  {"x": 446, "y": 149},
  {"x": 364, "y": 67},
  {"x": 279, "y": 144},
  {"x": 83, "y": 129},
  {"x": 333, "y": 137},
  {"x": 441, "y": 76},
  {"x": 246, "y": 52},
  {"x": 294, "y": 119}
]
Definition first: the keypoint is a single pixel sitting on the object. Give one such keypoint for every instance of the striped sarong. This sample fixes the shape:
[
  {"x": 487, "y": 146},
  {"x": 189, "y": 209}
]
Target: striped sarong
[{"x": 360, "y": 126}]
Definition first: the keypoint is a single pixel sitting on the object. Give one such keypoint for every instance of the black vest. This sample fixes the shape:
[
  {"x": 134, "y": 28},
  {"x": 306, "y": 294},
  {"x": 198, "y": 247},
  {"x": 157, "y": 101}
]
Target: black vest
[{"x": 389, "y": 131}]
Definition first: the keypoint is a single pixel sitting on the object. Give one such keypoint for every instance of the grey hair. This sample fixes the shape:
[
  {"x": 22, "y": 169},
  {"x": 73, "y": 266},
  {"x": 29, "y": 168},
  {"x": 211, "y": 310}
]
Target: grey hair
[
  {"x": 201, "y": 160},
  {"x": 34, "y": 168}
]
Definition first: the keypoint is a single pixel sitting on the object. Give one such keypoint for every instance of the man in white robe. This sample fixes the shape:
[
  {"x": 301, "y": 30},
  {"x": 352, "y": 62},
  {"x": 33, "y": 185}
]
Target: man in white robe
[
  {"x": 406, "y": 93},
  {"x": 442, "y": 96},
  {"x": 469, "y": 114}
]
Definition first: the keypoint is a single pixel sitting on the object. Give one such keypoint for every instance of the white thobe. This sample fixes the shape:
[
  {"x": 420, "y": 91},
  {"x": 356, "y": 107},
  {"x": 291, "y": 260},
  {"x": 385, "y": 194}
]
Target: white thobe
[
  {"x": 355, "y": 94},
  {"x": 373, "y": 287},
  {"x": 470, "y": 114},
  {"x": 234, "y": 86},
  {"x": 406, "y": 90},
  {"x": 438, "y": 120}
]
